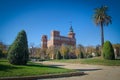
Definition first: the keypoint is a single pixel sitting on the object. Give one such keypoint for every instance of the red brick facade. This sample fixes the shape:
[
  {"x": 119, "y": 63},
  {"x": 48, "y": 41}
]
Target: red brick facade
[
  {"x": 57, "y": 40},
  {"x": 44, "y": 41}
]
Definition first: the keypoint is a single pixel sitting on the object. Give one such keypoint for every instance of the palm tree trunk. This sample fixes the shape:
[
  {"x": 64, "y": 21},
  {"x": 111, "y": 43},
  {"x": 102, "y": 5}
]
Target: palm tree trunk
[
  {"x": 102, "y": 39},
  {"x": 102, "y": 34}
]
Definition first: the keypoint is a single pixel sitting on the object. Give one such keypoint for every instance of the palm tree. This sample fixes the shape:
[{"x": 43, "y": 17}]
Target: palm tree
[{"x": 101, "y": 18}]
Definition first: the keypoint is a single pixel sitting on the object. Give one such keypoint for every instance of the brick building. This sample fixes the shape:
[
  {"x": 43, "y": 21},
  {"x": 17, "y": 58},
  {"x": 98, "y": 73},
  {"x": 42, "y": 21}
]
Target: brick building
[{"x": 56, "y": 40}]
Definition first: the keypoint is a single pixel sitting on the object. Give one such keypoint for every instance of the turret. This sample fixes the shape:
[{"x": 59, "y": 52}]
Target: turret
[{"x": 71, "y": 33}]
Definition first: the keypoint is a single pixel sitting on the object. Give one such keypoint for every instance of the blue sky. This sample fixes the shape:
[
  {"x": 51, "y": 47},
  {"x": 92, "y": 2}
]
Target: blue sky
[{"x": 38, "y": 17}]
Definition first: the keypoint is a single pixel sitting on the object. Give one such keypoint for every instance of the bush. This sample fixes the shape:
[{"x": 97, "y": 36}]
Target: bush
[
  {"x": 97, "y": 54},
  {"x": 72, "y": 55},
  {"x": 1, "y": 54},
  {"x": 81, "y": 55},
  {"x": 108, "y": 52},
  {"x": 58, "y": 55},
  {"x": 18, "y": 51},
  {"x": 89, "y": 56}
]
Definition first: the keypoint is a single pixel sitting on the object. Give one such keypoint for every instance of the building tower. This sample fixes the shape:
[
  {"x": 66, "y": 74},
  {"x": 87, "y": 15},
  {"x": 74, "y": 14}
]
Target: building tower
[
  {"x": 71, "y": 33},
  {"x": 55, "y": 33},
  {"x": 44, "y": 41}
]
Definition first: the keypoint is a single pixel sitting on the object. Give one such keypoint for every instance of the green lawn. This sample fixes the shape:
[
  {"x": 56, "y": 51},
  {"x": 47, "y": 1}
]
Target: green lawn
[
  {"x": 31, "y": 69},
  {"x": 95, "y": 61}
]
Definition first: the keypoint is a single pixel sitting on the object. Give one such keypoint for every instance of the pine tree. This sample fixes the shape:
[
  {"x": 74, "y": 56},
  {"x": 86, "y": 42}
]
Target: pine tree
[{"x": 18, "y": 51}]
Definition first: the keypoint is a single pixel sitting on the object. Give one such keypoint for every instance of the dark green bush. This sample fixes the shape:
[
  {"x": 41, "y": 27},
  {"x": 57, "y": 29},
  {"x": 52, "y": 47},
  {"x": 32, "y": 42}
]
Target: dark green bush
[
  {"x": 18, "y": 51},
  {"x": 108, "y": 52},
  {"x": 1, "y": 54},
  {"x": 81, "y": 55},
  {"x": 97, "y": 54},
  {"x": 58, "y": 55},
  {"x": 89, "y": 56}
]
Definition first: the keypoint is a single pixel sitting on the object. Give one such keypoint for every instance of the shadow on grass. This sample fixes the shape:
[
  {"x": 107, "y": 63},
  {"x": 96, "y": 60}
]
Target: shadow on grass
[
  {"x": 45, "y": 66},
  {"x": 1, "y": 61},
  {"x": 56, "y": 65},
  {"x": 7, "y": 67},
  {"x": 87, "y": 69}
]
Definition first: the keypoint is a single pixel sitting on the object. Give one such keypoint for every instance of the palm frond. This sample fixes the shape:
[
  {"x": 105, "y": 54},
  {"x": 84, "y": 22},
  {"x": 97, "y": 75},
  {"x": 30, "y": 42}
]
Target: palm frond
[{"x": 101, "y": 16}]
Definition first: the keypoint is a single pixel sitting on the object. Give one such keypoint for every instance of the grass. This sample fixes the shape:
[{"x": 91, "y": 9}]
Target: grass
[
  {"x": 31, "y": 69},
  {"x": 94, "y": 61}
]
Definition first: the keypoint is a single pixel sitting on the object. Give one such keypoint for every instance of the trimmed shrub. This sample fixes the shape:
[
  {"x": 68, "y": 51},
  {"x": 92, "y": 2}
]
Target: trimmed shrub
[
  {"x": 108, "y": 52},
  {"x": 18, "y": 51}
]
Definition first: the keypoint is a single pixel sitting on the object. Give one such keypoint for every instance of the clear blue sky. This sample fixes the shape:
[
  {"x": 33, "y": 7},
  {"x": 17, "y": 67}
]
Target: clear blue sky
[{"x": 38, "y": 17}]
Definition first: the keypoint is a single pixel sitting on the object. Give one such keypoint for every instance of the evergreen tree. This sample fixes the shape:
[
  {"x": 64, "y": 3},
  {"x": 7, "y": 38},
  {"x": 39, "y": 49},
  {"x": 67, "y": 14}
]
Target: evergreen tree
[
  {"x": 18, "y": 51},
  {"x": 108, "y": 52}
]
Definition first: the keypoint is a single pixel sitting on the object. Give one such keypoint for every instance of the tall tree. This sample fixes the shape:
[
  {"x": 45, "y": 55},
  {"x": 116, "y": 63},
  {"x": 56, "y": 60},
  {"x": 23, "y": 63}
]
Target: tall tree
[
  {"x": 18, "y": 51},
  {"x": 101, "y": 18}
]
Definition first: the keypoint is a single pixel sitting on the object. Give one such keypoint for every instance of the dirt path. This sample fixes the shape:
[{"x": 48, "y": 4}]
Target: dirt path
[{"x": 94, "y": 72}]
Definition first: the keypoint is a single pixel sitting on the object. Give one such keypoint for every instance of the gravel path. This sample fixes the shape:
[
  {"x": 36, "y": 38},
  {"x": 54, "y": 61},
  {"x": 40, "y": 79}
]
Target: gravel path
[{"x": 94, "y": 72}]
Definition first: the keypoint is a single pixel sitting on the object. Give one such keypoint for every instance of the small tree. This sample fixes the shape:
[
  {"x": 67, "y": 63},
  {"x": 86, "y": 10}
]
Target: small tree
[
  {"x": 18, "y": 51},
  {"x": 77, "y": 52},
  {"x": 51, "y": 52},
  {"x": 64, "y": 51},
  {"x": 3, "y": 48},
  {"x": 108, "y": 52},
  {"x": 98, "y": 50}
]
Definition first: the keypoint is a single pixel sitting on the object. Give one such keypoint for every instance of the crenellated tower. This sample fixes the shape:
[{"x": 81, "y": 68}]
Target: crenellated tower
[{"x": 44, "y": 41}]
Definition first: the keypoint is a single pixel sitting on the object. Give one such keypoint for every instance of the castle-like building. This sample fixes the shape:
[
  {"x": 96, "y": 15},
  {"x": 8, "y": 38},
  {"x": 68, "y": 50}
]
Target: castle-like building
[{"x": 56, "y": 40}]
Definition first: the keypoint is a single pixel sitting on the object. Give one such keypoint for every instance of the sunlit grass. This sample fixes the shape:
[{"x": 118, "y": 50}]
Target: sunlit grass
[
  {"x": 31, "y": 69},
  {"x": 95, "y": 61}
]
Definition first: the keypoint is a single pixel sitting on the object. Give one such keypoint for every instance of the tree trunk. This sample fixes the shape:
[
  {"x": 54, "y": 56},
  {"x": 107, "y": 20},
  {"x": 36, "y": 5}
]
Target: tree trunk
[
  {"x": 102, "y": 39},
  {"x": 102, "y": 35}
]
